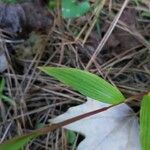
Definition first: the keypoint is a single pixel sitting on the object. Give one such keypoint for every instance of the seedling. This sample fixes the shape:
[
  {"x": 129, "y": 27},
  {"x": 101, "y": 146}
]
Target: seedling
[{"x": 94, "y": 87}]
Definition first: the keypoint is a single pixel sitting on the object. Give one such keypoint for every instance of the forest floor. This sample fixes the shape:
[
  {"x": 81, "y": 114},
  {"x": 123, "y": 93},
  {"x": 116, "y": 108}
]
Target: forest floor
[{"x": 115, "y": 48}]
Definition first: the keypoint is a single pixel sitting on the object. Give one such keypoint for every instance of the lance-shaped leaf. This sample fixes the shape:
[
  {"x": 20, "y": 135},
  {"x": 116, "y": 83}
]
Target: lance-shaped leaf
[
  {"x": 145, "y": 122},
  {"x": 86, "y": 83}
]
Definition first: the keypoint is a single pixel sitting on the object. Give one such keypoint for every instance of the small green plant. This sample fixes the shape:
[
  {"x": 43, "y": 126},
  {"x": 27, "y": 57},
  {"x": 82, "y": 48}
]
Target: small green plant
[
  {"x": 91, "y": 86},
  {"x": 87, "y": 84},
  {"x": 72, "y": 8},
  {"x": 69, "y": 8}
]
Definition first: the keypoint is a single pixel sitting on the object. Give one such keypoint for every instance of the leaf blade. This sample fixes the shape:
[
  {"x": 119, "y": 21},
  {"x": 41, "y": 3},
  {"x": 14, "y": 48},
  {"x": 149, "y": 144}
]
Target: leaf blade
[
  {"x": 145, "y": 122},
  {"x": 18, "y": 142},
  {"x": 71, "y": 10},
  {"x": 2, "y": 84},
  {"x": 86, "y": 83}
]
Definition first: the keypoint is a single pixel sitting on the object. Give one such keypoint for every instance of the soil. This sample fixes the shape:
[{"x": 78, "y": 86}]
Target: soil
[{"x": 32, "y": 35}]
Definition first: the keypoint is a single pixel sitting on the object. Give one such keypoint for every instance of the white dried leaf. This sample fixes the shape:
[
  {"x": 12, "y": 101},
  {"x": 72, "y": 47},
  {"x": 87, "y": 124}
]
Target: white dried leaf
[{"x": 114, "y": 129}]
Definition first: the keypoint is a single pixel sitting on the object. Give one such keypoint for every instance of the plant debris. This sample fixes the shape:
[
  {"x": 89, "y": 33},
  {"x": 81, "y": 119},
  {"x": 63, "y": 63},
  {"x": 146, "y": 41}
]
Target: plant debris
[
  {"x": 121, "y": 39},
  {"x": 33, "y": 35}
]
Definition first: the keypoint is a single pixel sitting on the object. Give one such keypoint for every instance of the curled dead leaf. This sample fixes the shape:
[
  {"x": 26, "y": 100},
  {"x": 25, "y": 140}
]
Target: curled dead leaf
[{"x": 116, "y": 128}]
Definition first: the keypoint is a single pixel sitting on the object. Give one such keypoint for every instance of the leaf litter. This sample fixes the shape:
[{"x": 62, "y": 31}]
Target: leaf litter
[
  {"x": 21, "y": 19},
  {"x": 124, "y": 61}
]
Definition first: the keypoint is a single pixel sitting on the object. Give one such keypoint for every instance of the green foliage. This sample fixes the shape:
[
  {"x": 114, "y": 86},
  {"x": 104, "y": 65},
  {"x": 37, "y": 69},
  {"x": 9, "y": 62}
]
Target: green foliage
[
  {"x": 137, "y": 2},
  {"x": 71, "y": 8},
  {"x": 89, "y": 85},
  {"x": 145, "y": 122},
  {"x": 70, "y": 136},
  {"x": 86, "y": 83},
  {"x": 2, "y": 84},
  {"x": 3, "y": 97},
  {"x": 146, "y": 14},
  {"x": 52, "y": 4},
  {"x": 18, "y": 142}
]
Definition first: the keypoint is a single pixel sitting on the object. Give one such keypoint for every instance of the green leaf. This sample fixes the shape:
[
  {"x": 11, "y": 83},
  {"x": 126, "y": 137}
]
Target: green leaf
[
  {"x": 8, "y": 100},
  {"x": 2, "y": 84},
  {"x": 52, "y": 4},
  {"x": 145, "y": 122},
  {"x": 86, "y": 83},
  {"x": 146, "y": 14},
  {"x": 70, "y": 8},
  {"x": 3, "y": 97},
  {"x": 71, "y": 136},
  {"x": 18, "y": 142}
]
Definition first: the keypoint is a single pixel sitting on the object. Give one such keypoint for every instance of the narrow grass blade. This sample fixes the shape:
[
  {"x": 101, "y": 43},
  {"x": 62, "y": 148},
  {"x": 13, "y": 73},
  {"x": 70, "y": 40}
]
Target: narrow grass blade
[
  {"x": 8, "y": 100},
  {"x": 2, "y": 84},
  {"x": 18, "y": 142},
  {"x": 145, "y": 123},
  {"x": 86, "y": 83},
  {"x": 3, "y": 97}
]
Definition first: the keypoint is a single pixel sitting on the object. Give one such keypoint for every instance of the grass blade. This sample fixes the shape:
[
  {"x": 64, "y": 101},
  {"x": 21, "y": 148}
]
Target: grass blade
[
  {"x": 2, "y": 84},
  {"x": 18, "y": 142},
  {"x": 145, "y": 122},
  {"x": 86, "y": 83}
]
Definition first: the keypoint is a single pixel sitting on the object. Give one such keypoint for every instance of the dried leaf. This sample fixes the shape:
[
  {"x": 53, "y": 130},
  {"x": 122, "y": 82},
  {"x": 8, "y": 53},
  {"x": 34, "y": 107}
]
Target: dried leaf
[{"x": 115, "y": 129}]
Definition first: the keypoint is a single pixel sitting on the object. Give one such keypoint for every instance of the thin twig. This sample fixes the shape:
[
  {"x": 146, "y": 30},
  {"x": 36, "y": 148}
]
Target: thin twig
[{"x": 106, "y": 36}]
